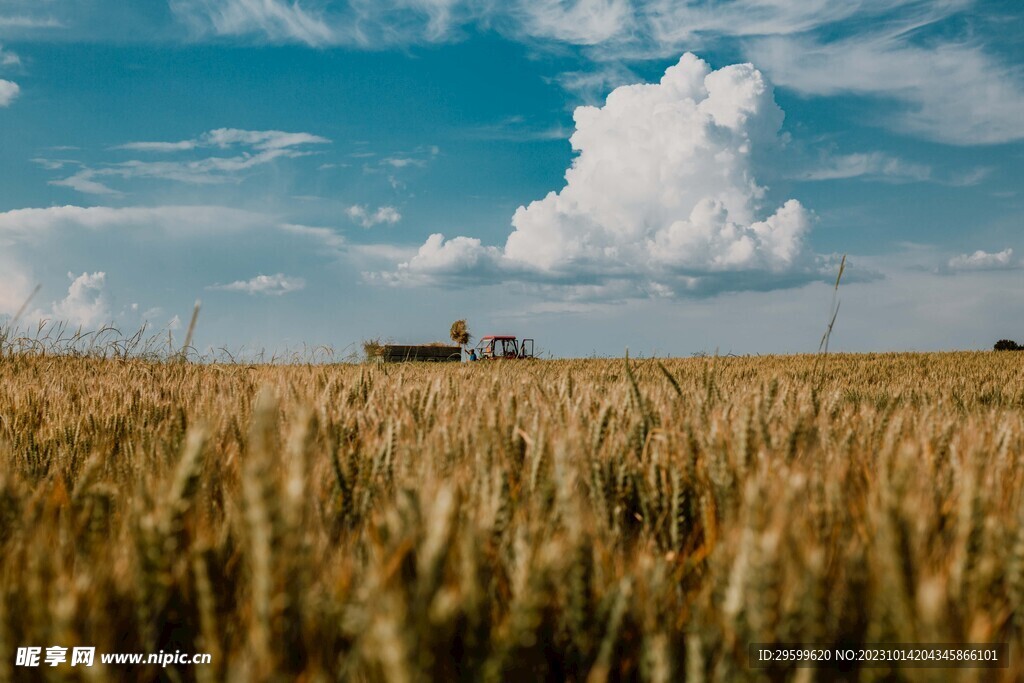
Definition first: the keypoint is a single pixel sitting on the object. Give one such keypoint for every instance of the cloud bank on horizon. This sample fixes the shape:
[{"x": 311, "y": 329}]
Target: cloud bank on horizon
[{"x": 661, "y": 198}]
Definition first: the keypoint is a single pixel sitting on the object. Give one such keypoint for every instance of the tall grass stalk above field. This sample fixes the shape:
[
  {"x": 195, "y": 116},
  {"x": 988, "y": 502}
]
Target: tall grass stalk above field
[
  {"x": 833, "y": 314},
  {"x": 24, "y": 306},
  {"x": 833, "y": 309}
]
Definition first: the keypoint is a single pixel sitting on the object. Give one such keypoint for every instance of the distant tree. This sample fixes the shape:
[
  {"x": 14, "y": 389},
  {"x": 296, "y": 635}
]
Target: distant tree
[{"x": 1007, "y": 345}]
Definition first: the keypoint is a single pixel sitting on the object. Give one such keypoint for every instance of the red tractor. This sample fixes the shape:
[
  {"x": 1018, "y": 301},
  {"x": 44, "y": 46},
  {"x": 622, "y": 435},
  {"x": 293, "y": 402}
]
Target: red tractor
[{"x": 495, "y": 346}]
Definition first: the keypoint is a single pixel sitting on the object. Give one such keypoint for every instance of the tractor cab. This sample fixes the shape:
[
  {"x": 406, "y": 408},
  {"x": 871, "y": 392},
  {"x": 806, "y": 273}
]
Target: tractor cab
[{"x": 503, "y": 346}]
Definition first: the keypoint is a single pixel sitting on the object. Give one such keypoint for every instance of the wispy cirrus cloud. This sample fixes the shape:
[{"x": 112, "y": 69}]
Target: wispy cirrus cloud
[
  {"x": 402, "y": 162},
  {"x": 946, "y": 85},
  {"x": 252, "y": 148},
  {"x": 8, "y": 58},
  {"x": 368, "y": 218},
  {"x": 397, "y": 163},
  {"x": 661, "y": 26},
  {"x": 984, "y": 260},
  {"x": 517, "y": 129},
  {"x": 277, "y": 20},
  {"x": 591, "y": 86},
  {"x": 887, "y": 168},
  {"x": 581, "y": 22},
  {"x": 25, "y": 21},
  {"x": 224, "y": 138},
  {"x": 674, "y": 24},
  {"x": 327, "y": 238},
  {"x": 952, "y": 92},
  {"x": 8, "y": 92},
  {"x": 416, "y": 158},
  {"x": 364, "y": 23},
  {"x": 33, "y": 225},
  {"x": 82, "y": 181},
  {"x": 265, "y": 285},
  {"x": 373, "y": 24},
  {"x": 39, "y": 226},
  {"x": 868, "y": 165}
]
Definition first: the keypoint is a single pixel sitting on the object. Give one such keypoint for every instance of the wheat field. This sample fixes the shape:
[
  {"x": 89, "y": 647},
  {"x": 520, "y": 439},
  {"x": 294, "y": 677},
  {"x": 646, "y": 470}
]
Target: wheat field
[{"x": 548, "y": 520}]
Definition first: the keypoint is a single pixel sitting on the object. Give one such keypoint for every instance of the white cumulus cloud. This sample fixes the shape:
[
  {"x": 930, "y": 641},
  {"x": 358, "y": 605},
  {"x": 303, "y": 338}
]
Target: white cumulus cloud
[
  {"x": 268, "y": 285},
  {"x": 85, "y": 305},
  {"x": 984, "y": 260},
  {"x": 457, "y": 257},
  {"x": 368, "y": 217},
  {"x": 662, "y": 194},
  {"x": 8, "y": 92},
  {"x": 83, "y": 182},
  {"x": 329, "y": 239}
]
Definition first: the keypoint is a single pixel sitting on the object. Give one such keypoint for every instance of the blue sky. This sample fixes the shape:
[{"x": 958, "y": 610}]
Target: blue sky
[{"x": 324, "y": 172}]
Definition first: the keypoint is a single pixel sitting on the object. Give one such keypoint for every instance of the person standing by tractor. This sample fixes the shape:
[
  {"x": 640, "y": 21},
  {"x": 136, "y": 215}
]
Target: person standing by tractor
[{"x": 459, "y": 334}]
